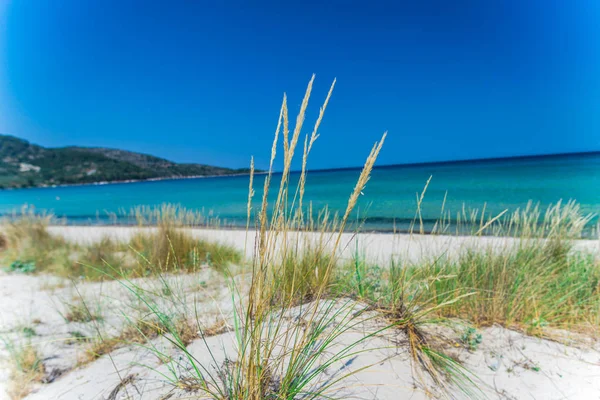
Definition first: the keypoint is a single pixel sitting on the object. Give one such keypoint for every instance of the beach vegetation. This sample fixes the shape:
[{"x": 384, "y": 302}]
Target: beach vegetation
[
  {"x": 22, "y": 267},
  {"x": 79, "y": 312},
  {"x": 530, "y": 287},
  {"x": 28, "y": 332},
  {"x": 28, "y": 242},
  {"x": 3, "y": 242},
  {"x": 471, "y": 338},
  {"x": 536, "y": 280},
  {"x": 303, "y": 273},
  {"x": 77, "y": 336},
  {"x": 26, "y": 367},
  {"x": 98, "y": 346},
  {"x": 172, "y": 248},
  {"x": 283, "y": 325},
  {"x": 168, "y": 246}
]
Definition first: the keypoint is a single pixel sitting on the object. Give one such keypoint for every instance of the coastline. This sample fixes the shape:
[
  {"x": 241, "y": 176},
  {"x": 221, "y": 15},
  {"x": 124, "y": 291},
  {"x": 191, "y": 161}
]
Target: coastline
[
  {"x": 378, "y": 247},
  {"x": 101, "y": 183},
  {"x": 518, "y": 158}
]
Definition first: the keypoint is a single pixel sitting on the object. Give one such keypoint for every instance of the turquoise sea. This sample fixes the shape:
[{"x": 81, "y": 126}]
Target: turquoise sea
[{"x": 389, "y": 199}]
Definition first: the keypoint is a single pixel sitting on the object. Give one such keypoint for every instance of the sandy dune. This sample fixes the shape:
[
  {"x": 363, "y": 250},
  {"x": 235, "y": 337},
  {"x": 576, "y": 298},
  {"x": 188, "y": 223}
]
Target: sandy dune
[{"x": 507, "y": 364}]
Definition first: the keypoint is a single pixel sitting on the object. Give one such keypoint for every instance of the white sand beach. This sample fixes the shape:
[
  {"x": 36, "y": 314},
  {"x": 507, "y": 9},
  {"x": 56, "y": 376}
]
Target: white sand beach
[
  {"x": 376, "y": 247},
  {"x": 507, "y": 364}
]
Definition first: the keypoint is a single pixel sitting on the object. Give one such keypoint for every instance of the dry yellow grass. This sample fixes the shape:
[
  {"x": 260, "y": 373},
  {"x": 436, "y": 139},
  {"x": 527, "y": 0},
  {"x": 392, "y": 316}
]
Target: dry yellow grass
[
  {"x": 97, "y": 348},
  {"x": 27, "y": 371},
  {"x": 276, "y": 358},
  {"x": 167, "y": 247},
  {"x": 282, "y": 275}
]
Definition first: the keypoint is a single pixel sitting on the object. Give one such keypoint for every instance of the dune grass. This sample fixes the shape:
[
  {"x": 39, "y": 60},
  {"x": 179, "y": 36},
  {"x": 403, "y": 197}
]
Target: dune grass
[
  {"x": 28, "y": 241},
  {"x": 276, "y": 358},
  {"x": 172, "y": 214},
  {"x": 529, "y": 287},
  {"x": 564, "y": 220},
  {"x": 534, "y": 281},
  {"x": 79, "y": 312},
  {"x": 303, "y": 273},
  {"x": 169, "y": 246},
  {"x": 27, "y": 368}
]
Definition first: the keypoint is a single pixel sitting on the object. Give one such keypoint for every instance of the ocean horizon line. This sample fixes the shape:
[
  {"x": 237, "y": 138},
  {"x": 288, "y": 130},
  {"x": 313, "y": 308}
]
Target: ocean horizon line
[
  {"x": 333, "y": 169},
  {"x": 462, "y": 161}
]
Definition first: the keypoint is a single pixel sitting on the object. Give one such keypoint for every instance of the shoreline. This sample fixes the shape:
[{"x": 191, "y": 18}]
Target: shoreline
[
  {"x": 102, "y": 183},
  {"x": 377, "y": 247},
  {"x": 335, "y": 169},
  {"x": 588, "y": 234}
]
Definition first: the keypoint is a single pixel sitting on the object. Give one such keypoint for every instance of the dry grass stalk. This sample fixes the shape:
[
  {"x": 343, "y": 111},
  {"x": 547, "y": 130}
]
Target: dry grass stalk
[
  {"x": 263, "y": 333},
  {"x": 98, "y": 347},
  {"x": 249, "y": 205},
  {"x": 308, "y": 143}
]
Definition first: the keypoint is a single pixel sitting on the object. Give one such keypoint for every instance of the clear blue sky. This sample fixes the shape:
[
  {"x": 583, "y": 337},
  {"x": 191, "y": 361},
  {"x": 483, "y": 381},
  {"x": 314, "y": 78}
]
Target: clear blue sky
[{"x": 196, "y": 81}]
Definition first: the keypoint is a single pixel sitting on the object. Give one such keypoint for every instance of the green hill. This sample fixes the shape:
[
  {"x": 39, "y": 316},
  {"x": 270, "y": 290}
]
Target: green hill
[{"x": 23, "y": 164}]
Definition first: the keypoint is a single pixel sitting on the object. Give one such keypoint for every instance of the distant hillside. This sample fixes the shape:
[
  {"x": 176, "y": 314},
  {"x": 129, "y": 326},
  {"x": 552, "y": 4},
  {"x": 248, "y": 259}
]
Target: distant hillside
[{"x": 23, "y": 164}]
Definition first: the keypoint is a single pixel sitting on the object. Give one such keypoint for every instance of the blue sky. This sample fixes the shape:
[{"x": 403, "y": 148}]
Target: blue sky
[{"x": 199, "y": 81}]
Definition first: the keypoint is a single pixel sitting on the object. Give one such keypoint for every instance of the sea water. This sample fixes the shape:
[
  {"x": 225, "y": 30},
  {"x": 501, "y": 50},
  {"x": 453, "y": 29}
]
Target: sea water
[{"x": 388, "y": 202}]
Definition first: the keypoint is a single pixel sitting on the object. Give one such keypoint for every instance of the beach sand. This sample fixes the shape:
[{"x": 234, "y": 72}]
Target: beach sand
[
  {"x": 507, "y": 364},
  {"x": 376, "y": 247}
]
